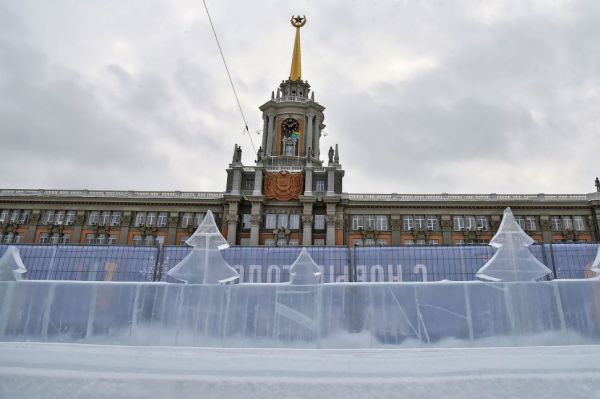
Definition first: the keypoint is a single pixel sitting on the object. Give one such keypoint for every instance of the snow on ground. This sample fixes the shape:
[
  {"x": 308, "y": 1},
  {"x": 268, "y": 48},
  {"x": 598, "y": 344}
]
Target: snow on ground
[{"x": 41, "y": 370}]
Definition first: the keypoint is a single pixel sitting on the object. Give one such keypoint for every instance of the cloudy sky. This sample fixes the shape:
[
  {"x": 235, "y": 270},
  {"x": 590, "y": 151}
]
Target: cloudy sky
[{"x": 421, "y": 96}]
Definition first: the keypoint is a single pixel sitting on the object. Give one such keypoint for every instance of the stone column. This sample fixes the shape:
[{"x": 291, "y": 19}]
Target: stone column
[
  {"x": 309, "y": 133},
  {"x": 258, "y": 180},
  {"x": 308, "y": 179},
  {"x": 32, "y": 226},
  {"x": 78, "y": 226},
  {"x": 125, "y": 223},
  {"x": 546, "y": 227},
  {"x": 236, "y": 184},
  {"x": 256, "y": 220},
  {"x": 317, "y": 136},
  {"x": 232, "y": 218},
  {"x": 265, "y": 131},
  {"x": 395, "y": 224},
  {"x": 173, "y": 222},
  {"x": 446, "y": 224},
  {"x": 330, "y": 181},
  {"x": 270, "y": 135},
  {"x": 330, "y": 220}
]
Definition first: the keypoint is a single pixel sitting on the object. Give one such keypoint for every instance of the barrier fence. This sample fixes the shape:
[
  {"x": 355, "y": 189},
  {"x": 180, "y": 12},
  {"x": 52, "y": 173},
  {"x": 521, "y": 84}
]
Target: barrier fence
[{"x": 271, "y": 264}]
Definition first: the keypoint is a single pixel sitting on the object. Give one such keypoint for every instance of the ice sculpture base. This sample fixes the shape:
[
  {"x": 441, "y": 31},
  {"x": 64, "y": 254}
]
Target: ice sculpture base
[{"x": 323, "y": 316}]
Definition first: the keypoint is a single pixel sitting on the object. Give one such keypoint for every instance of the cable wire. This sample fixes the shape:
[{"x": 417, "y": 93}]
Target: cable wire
[{"x": 229, "y": 76}]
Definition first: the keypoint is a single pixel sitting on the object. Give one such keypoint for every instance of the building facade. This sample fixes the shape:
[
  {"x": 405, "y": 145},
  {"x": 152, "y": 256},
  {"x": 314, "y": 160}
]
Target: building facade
[{"x": 292, "y": 195}]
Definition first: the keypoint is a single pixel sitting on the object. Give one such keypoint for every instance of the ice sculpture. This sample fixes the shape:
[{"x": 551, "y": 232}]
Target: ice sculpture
[
  {"x": 512, "y": 261},
  {"x": 304, "y": 270},
  {"x": 596, "y": 265},
  {"x": 205, "y": 264},
  {"x": 11, "y": 265}
]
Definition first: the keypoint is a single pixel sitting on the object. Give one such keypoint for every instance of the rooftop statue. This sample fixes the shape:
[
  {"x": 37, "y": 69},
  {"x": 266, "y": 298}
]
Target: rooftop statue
[
  {"x": 512, "y": 261},
  {"x": 205, "y": 264}
]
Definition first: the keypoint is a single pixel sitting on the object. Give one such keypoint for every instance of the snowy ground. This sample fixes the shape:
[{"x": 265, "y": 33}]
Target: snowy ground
[{"x": 36, "y": 370}]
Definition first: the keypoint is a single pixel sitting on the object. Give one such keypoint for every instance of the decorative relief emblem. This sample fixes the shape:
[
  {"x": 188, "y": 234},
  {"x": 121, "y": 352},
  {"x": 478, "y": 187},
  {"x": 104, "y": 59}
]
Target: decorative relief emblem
[
  {"x": 446, "y": 225},
  {"x": 256, "y": 220},
  {"x": 545, "y": 225},
  {"x": 284, "y": 186},
  {"x": 307, "y": 219}
]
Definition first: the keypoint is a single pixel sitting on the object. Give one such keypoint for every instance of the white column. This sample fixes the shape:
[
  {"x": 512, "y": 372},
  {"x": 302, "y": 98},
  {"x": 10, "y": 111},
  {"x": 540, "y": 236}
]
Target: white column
[
  {"x": 316, "y": 136},
  {"x": 236, "y": 184},
  {"x": 265, "y": 132},
  {"x": 258, "y": 179},
  {"x": 330, "y": 181},
  {"x": 270, "y": 138},
  {"x": 309, "y": 134},
  {"x": 308, "y": 177}
]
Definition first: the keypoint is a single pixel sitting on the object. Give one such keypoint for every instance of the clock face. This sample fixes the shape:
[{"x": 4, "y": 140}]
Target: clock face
[{"x": 290, "y": 126}]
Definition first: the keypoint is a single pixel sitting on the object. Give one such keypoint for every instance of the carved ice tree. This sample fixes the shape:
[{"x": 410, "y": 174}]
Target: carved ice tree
[{"x": 11, "y": 265}]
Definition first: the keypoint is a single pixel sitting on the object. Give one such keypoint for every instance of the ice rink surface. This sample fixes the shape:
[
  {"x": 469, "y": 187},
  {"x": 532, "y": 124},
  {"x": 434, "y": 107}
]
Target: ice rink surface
[{"x": 51, "y": 370}]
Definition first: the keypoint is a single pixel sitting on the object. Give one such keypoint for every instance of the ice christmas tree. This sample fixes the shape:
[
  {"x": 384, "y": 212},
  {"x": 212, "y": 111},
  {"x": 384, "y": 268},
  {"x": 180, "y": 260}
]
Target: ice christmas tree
[
  {"x": 304, "y": 270},
  {"x": 205, "y": 264},
  {"x": 596, "y": 265},
  {"x": 512, "y": 261},
  {"x": 11, "y": 265}
]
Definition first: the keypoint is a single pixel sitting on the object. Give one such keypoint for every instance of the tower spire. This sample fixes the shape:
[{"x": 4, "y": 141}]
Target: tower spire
[{"x": 296, "y": 69}]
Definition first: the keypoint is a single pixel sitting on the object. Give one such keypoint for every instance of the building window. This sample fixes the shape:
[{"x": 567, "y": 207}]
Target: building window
[
  {"x": 531, "y": 223},
  {"x": 470, "y": 223},
  {"x": 115, "y": 219},
  {"x": 112, "y": 239},
  {"x": 432, "y": 242},
  {"x": 579, "y": 223},
  {"x": 408, "y": 223},
  {"x": 65, "y": 239},
  {"x": 3, "y": 215},
  {"x": 320, "y": 185},
  {"x": 246, "y": 221},
  {"x": 18, "y": 238},
  {"x": 137, "y": 240},
  {"x": 318, "y": 242},
  {"x": 162, "y": 219},
  {"x": 93, "y": 218},
  {"x": 104, "y": 218},
  {"x": 24, "y": 217},
  {"x": 319, "y": 222},
  {"x": 59, "y": 218},
  {"x": 382, "y": 243},
  {"x": 150, "y": 218},
  {"x": 358, "y": 243},
  {"x": 420, "y": 242},
  {"x": 294, "y": 222},
  {"x": 271, "y": 221},
  {"x": 186, "y": 219},
  {"x": 459, "y": 223},
  {"x": 282, "y": 221},
  {"x": 381, "y": 223},
  {"x": 199, "y": 217},
  {"x": 556, "y": 223},
  {"x": 459, "y": 242},
  {"x": 369, "y": 242},
  {"x": 432, "y": 223},
  {"x": 49, "y": 217},
  {"x": 294, "y": 242},
  {"x": 357, "y": 222},
  {"x": 420, "y": 222},
  {"x": 14, "y": 216},
  {"x": 567, "y": 223},
  {"x": 409, "y": 242},
  {"x": 55, "y": 238},
  {"x": 149, "y": 240},
  {"x": 370, "y": 222},
  {"x": 140, "y": 219},
  {"x": 245, "y": 242},
  {"x": 8, "y": 238},
  {"x": 290, "y": 149},
  {"x": 183, "y": 239},
  {"x": 270, "y": 242},
  {"x": 482, "y": 223},
  {"x": 101, "y": 239},
  {"x": 44, "y": 238},
  {"x": 90, "y": 238},
  {"x": 69, "y": 218}
]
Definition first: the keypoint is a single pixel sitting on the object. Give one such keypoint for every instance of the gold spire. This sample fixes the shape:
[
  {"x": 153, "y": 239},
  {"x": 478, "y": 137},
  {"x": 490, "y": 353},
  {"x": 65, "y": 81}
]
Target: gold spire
[{"x": 296, "y": 70}]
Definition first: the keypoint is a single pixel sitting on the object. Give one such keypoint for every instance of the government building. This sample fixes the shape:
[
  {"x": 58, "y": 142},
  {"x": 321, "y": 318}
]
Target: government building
[{"x": 292, "y": 195}]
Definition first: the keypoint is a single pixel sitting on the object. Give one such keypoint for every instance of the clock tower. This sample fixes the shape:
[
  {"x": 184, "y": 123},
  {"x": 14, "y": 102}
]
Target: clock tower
[{"x": 289, "y": 171}]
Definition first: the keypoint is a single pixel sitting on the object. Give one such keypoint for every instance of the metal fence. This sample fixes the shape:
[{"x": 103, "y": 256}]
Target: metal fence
[{"x": 271, "y": 264}]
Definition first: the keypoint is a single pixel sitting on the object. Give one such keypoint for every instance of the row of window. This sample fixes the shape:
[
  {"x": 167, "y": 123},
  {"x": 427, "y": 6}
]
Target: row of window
[
  {"x": 15, "y": 216},
  {"x": 560, "y": 223},
  {"x": 461, "y": 223},
  {"x": 11, "y": 238},
  {"x": 283, "y": 221}
]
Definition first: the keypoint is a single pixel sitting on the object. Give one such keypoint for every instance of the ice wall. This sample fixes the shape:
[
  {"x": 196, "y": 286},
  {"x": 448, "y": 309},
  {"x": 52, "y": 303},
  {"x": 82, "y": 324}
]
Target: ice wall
[{"x": 325, "y": 315}]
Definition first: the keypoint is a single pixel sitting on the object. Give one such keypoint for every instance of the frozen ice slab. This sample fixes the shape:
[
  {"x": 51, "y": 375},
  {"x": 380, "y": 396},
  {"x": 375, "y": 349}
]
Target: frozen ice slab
[
  {"x": 305, "y": 270},
  {"x": 205, "y": 263},
  {"x": 596, "y": 265},
  {"x": 11, "y": 265},
  {"x": 512, "y": 261},
  {"x": 284, "y": 315},
  {"x": 70, "y": 371}
]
